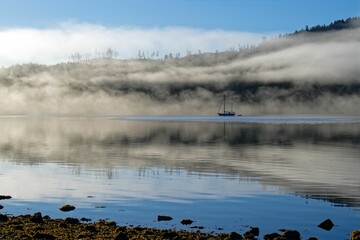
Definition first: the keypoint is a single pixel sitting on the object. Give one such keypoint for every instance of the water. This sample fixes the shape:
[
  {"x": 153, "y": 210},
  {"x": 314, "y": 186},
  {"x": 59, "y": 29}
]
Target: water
[{"x": 226, "y": 174}]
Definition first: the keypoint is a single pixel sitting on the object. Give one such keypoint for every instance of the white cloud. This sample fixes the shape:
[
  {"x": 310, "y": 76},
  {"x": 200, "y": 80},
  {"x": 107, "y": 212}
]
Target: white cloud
[{"x": 49, "y": 46}]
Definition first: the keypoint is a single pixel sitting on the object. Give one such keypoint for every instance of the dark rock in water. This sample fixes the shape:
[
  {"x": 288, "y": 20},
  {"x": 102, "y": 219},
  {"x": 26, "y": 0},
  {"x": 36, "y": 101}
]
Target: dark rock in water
[
  {"x": 83, "y": 219},
  {"x": 37, "y": 218},
  {"x": 326, "y": 225},
  {"x": 291, "y": 235},
  {"x": 72, "y": 220},
  {"x": 355, "y": 235},
  {"x": 271, "y": 236},
  {"x": 186, "y": 222},
  {"x": 234, "y": 236},
  {"x": 67, "y": 208},
  {"x": 2, "y": 197},
  {"x": 1, "y": 207},
  {"x": 43, "y": 236},
  {"x": 197, "y": 227},
  {"x": 253, "y": 232},
  {"x": 164, "y": 218},
  {"x": 312, "y": 238},
  {"x": 3, "y": 218},
  {"x": 121, "y": 236}
]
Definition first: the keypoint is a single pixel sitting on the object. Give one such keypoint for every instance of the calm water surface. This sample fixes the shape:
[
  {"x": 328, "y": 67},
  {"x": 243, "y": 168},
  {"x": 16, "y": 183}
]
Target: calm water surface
[{"x": 273, "y": 172}]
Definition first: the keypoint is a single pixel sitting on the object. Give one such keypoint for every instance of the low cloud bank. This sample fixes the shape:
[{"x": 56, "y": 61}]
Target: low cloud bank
[
  {"x": 51, "y": 46},
  {"x": 304, "y": 73}
]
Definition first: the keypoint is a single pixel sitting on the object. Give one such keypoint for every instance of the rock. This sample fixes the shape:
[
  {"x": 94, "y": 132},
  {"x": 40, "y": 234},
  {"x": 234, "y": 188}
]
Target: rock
[
  {"x": 67, "y": 208},
  {"x": 37, "y": 218},
  {"x": 253, "y": 232},
  {"x": 1, "y": 207},
  {"x": 197, "y": 227},
  {"x": 83, "y": 219},
  {"x": 90, "y": 228},
  {"x": 63, "y": 225},
  {"x": 234, "y": 236},
  {"x": 70, "y": 220},
  {"x": 355, "y": 235},
  {"x": 164, "y": 218},
  {"x": 291, "y": 235},
  {"x": 186, "y": 222},
  {"x": 43, "y": 236},
  {"x": 121, "y": 236},
  {"x": 271, "y": 236},
  {"x": 2, "y": 197},
  {"x": 169, "y": 235},
  {"x": 84, "y": 235},
  {"x": 3, "y": 218},
  {"x": 312, "y": 238},
  {"x": 111, "y": 224},
  {"x": 326, "y": 225}
]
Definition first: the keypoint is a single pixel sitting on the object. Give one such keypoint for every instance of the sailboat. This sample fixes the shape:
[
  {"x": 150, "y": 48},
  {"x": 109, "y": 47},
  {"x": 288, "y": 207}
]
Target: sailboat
[{"x": 225, "y": 113}]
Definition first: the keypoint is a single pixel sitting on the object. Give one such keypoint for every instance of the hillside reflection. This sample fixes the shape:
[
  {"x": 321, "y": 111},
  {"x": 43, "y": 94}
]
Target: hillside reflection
[{"x": 311, "y": 160}]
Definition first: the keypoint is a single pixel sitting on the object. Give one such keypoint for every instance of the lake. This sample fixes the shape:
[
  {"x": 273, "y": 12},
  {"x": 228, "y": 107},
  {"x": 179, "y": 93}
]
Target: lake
[{"x": 226, "y": 174}]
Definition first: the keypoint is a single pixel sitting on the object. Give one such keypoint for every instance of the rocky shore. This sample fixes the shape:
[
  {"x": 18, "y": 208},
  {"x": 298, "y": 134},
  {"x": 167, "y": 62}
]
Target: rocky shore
[
  {"x": 37, "y": 226},
  {"x": 43, "y": 227}
]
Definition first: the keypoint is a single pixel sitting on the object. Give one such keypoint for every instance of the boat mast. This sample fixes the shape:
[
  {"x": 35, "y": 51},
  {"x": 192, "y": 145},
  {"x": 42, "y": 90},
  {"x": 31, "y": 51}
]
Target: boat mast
[{"x": 224, "y": 103}]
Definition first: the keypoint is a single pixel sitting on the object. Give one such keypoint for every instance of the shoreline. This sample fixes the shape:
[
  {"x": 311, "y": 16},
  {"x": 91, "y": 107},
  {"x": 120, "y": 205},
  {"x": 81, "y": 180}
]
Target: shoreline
[{"x": 37, "y": 226}]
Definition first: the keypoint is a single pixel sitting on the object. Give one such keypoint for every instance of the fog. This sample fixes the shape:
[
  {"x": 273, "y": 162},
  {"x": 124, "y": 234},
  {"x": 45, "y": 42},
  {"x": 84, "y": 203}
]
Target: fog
[{"x": 306, "y": 73}]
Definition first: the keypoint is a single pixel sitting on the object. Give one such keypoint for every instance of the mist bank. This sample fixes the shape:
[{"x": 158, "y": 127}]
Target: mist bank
[{"x": 302, "y": 73}]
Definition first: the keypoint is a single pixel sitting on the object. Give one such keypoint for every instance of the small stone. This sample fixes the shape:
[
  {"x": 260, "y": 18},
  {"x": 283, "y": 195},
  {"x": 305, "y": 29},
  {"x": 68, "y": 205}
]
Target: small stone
[
  {"x": 326, "y": 225},
  {"x": 37, "y": 218},
  {"x": 63, "y": 225},
  {"x": 164, "y": 218},
  {"x": 83, "y": 219},
  {"x": 83, "y": 236},
  {"x": 111, "y": 224},
  {"x": 70, "y": 220},
  {"x": 3, "y": 218},
  {"x": 67, "y": 208},
  {"x": 253, "y": 232},
  {"x": 43, "y": 236},
  {"x": 198, "y": 227},
  {"x": 234, "y": 236},
  {"x": 170, "y": 235},
  {"x": 271, "y": 236},
  {"x": 121, "y": 236},
  {"x": 2, "y": 197},
  {"x": 291, "y": 235},
  {"x": 1, "y": 207},
  {"x": 355, "y": 235},
  {"x": 90, "y": 228},
  {"x": 120, "y": 229},
  {"x": 186, "y": 222}
]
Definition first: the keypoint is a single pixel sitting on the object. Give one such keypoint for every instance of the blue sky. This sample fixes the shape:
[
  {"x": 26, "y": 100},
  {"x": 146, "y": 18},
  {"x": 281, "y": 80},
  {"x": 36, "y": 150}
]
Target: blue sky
[
  {"x": 50, "y": 31},
  {"x": 234, "y": 15}
]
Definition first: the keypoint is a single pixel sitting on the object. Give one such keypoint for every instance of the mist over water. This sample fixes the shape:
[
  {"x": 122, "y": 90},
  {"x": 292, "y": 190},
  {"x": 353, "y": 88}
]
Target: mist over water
[{"x": 304, "y": 73}]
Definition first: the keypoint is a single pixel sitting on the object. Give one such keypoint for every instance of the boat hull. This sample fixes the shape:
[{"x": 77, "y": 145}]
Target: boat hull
[{"x": 226, "y": 114}]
